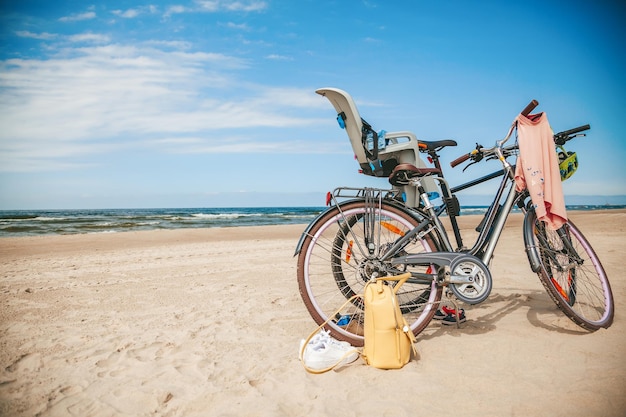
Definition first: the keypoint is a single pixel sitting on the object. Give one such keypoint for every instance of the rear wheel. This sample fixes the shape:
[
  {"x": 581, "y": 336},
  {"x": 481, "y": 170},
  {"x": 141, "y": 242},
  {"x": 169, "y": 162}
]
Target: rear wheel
[
  {"x": 572, "y": 274},
  {"x": 341, "y": 253}
]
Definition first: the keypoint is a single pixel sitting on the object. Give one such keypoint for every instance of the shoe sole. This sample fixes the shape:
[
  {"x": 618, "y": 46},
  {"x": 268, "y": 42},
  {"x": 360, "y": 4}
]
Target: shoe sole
[
  {"x": 323, "y": 364},
  {"x": 453, "y": 322}
]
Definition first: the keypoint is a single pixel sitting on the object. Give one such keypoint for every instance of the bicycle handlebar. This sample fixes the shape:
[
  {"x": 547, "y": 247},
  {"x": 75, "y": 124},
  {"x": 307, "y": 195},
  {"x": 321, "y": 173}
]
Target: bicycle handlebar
[
  {"x": 500, "y": 152},
  {"x": 530, "y": 107},
  {"x": 460, "y": 160},
  {"x": 562, "y": 137},
  {"x": 573, "y": 131}
]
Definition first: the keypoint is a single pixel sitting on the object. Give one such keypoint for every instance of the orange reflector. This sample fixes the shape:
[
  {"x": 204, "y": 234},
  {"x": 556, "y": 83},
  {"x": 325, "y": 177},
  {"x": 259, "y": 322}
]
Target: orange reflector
[
  {"x": 392, "y": 228},
  {"x": 560, "y": 290},
  {"x": 349, "y": 251}
]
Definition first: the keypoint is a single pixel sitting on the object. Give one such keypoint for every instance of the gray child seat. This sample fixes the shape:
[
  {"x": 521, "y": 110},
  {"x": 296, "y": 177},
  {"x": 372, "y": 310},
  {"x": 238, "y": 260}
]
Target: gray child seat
[{"x": 377, "y": 155}]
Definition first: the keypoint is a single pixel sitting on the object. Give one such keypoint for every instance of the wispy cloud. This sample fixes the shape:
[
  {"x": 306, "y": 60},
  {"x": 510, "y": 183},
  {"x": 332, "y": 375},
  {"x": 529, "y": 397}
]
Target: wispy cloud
[
  {"x": 215, "y": 6},
  {"x": 135, "y": 12},
  {"x": 79, "y": 37},
  {"x": 233, "y": 6},
  {"x": 208, "y": 5},
  {"x": 279, "y": 57},
  {"x": 41, "y": 36},
  {"x": 128, "y": 14},
  {"x": 94, "y": 99},
  {"x": 251, "y": 6},
  {"x": 238, "y": 26},
  {"x": 89, "y": 37},
  {"x": 78, "y": 17},
  {"x": 241, "y": 144},
  {"x": 176, "y": 9}
]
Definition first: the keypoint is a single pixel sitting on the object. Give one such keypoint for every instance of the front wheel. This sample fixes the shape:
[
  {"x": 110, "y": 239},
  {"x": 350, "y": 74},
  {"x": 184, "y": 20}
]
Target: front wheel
[
  {"x": 342, "y": 251},
  {"x": 571, "y": 272}
]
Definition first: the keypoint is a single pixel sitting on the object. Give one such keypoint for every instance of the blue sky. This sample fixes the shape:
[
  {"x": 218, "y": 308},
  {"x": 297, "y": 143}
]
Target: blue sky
[{"x": 209, "y": 103}]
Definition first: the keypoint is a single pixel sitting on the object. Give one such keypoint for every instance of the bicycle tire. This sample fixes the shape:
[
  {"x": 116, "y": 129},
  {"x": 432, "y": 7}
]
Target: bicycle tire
[
  {"x": 334, "y": 263},
  {"x": 576, "y": 281}
]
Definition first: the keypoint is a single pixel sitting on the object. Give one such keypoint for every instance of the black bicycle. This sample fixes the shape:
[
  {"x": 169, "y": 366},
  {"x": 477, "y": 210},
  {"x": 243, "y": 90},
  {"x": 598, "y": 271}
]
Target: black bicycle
[{"x": 368, "y": 233}]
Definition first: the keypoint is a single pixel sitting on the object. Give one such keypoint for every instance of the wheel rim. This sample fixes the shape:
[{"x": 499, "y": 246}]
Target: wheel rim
[
  {"x": 579, "y": 284},
  {"x": 353, "y": 268}
]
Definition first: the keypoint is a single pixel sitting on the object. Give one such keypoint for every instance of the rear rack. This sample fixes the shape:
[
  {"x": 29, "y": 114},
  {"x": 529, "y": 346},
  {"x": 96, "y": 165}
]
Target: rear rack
[{"x": 362, "y": 193}]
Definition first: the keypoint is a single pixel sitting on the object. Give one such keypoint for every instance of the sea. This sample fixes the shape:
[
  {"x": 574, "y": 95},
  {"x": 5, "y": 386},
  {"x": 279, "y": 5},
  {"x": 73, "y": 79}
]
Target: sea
[{"x": 62, "y": 222}]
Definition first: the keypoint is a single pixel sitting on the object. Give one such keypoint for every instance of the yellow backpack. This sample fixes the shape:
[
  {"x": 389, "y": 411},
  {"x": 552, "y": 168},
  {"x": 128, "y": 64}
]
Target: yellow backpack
[{"x": 388, "y": 338}]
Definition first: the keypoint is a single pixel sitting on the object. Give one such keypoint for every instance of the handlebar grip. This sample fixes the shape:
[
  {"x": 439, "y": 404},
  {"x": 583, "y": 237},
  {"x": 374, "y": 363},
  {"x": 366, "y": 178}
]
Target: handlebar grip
[
  {"x": 574, "y": 130},
  {"x": 460, "y": 160},
  {"x": 530, "y": 107}
]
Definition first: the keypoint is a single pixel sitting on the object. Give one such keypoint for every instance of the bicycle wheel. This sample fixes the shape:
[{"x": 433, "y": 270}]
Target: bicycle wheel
[
  {"x": 341, "y": 253},
  {"x": 572, "y": 274}
]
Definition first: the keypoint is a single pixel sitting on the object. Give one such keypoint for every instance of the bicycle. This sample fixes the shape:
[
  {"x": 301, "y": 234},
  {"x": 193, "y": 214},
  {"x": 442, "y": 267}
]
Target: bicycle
[{"x": 369, "y": 232}]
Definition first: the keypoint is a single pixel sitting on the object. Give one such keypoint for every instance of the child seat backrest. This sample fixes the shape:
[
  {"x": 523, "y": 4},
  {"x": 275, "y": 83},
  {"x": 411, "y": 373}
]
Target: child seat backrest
[
  {"x": 348, "y": 116},
  {"x": 376, "y": 155}
]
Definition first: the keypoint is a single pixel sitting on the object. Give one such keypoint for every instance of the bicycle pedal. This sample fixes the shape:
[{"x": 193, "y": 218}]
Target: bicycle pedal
[{"x": 443, "y": 275}]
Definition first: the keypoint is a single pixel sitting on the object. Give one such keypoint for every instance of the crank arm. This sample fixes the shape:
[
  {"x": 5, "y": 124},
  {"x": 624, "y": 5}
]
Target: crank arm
[{"x": 461, "y": 279}]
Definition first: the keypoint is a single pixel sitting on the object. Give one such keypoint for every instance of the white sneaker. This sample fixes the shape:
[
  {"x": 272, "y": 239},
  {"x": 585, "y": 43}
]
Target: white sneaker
[
  {"x": 324, "y": 351},
  {"x": 316, "y": 342}
]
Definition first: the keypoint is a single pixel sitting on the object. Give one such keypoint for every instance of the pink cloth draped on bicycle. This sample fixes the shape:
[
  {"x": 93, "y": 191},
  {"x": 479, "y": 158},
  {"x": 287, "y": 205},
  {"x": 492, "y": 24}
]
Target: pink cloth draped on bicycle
[{"x": 538, "y": 169}]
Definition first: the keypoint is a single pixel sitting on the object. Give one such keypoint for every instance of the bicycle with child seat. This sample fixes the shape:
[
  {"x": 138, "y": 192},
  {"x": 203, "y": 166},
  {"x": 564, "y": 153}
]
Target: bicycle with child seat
[{"x": 368, "y": 233}]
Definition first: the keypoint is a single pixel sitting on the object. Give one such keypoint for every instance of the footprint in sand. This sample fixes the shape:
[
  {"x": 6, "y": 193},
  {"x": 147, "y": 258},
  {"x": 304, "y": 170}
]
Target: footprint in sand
[{"x": 30, "y": 362}]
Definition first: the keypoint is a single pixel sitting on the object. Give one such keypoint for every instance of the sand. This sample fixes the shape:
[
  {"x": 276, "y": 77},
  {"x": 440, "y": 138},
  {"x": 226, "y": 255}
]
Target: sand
[{"x": 207, "y": 322}]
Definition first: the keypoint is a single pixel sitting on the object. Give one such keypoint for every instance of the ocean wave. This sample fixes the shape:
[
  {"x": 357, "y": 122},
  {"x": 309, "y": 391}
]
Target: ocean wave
[
  {"x": 225, "y": 215},
  {"x": 33, "y": 222}
]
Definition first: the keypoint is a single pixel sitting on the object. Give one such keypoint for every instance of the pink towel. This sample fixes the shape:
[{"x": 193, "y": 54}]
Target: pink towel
[{"x": 538, "y": 169}]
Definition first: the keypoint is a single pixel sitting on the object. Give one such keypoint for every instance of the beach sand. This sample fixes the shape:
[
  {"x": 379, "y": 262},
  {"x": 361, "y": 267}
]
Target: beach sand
[{"x": 206, "y": 322}]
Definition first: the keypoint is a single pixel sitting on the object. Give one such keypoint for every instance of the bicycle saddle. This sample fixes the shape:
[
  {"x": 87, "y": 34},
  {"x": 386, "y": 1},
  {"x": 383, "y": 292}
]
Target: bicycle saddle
[
  {"x": 402, "y": 173},
  {"x": 435, "y": 145}
]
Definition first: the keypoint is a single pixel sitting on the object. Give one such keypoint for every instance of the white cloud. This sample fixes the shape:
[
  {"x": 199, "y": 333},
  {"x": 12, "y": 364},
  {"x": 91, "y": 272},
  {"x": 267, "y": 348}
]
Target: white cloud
[
  {"x": 241, "y": 144},
  {"x": 231, "y": 6},
  {"x": 176, "y": 9},
  {"x": 78, "y": 16},
  {"x": 214, "y": 6},
  {"x": 240, "y": 26},
  {"x": 137, "y": 11},
  {"x": 89, "y": 37},
  {"x": 42, "y": 35},
  {"x": 81, "y": 37},
  {"x": 128, "y": 14},
  {"x": 279, "y": 57},
  {"x": 208, "y": 5},
  {"x": 251, "y": 6},
  {"x": 95, "y": 99},
  {"x": 179, "y": 45}
]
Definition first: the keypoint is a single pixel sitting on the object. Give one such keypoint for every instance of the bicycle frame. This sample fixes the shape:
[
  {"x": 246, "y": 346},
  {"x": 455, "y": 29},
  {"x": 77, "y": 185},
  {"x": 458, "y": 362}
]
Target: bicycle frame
[{"x": 495, "y": 217}]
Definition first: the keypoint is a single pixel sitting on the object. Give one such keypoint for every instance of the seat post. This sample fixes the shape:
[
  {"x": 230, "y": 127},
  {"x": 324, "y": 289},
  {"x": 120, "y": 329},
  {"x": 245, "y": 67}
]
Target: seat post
[{"x": 449, "y": 200}]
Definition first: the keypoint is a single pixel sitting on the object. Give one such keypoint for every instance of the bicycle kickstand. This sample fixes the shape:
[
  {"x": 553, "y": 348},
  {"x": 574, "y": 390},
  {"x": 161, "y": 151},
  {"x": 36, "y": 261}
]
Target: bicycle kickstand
[{"x": 453, "y": 300}]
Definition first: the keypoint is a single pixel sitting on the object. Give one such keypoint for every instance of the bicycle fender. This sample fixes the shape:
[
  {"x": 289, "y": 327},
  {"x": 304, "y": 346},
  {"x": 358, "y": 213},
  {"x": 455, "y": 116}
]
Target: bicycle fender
[
  {"x": 308, "y": 229},
  {"x": 343, "y": 203},
  {"x": 529, "y": 241}
]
